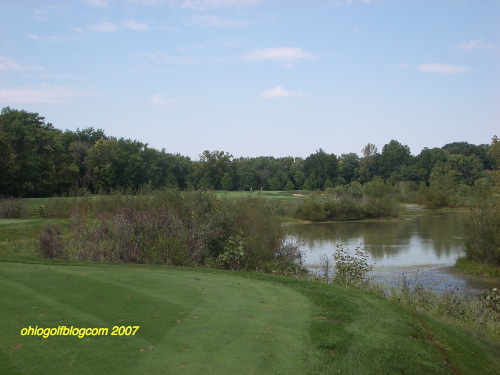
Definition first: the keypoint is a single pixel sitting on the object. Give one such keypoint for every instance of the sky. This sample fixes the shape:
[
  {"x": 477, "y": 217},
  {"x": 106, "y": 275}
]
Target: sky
[{"x": 258, "y": 77}]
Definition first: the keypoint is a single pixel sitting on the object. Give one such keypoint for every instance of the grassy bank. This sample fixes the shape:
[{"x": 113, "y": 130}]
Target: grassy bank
[
  {"x": 470, "y": 267},
  {"x": 196, "y": 321}
]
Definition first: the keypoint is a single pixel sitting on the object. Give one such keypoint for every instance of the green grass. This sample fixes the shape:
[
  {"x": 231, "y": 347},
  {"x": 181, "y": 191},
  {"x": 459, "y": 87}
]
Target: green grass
[
  {"x": 470, "y": 267},
  {"x": 19, "y": 237},
  {"x": 190, "y": 322},
  {"x": 201, "y": 321}
]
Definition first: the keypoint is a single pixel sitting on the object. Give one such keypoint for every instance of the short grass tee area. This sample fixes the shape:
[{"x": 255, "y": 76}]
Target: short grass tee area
[
  {"x": 190, "y": 322},
  {"x": 201, "y": 321}
]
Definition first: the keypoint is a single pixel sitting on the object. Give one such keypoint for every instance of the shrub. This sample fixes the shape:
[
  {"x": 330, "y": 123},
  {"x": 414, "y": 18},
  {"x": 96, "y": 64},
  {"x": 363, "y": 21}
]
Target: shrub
[
  {"x": 350, "y": 270},
  {"x": 190, "y": 228},
  {"x": 51, "y": 242},
  {"x": 482, "y": 231},
  {"x": 11, "y": 208},
  {"x": 482, "y": 235},
  {"x": 310, "y": 209}
]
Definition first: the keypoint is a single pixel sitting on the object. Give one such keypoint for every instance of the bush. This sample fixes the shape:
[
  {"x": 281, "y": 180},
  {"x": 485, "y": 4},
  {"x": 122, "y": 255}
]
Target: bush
[
  {"x": 11, "y": 208},
  {"x": 347, "y": 203},
  {"x": 186, "y": 229},
  {"x": 51, "y": 242},
  {"x": 310, "y": 209},
  {"x": 350, "y": 269},
  {"x": 482, "y": 235}
]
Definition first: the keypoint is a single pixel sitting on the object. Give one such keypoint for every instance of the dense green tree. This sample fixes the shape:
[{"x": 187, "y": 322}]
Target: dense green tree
[
  {"x": 425, "y": 161},
  {"x": 494, "y": 153},
  {"x": 212, "y": 167},
  {"x": 394, "y": 156},
  {"x": 38, "y": 160},
  {"x": 349, "y": 167},
  {"x": 29, "y": 156},
  {"x": 368, "y": 162},
  {"x": 320, "y": 167},
  {"x": 468, "y": 168}
]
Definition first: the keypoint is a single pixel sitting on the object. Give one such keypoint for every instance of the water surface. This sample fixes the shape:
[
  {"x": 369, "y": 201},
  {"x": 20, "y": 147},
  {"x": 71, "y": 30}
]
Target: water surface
[{"x": 422, "y": 246}]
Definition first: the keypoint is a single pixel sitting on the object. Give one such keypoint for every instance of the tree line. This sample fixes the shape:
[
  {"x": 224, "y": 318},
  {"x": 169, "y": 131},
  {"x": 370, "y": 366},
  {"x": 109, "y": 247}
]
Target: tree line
[{"x": 38, "y": 160}]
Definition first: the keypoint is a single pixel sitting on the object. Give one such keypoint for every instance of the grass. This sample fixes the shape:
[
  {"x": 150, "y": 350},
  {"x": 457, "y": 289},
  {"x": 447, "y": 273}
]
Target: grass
[
  {"x": 212, "y": 322},
  {"x": 190, "y": 322},
  {"x": 196, "y": 321},
  {"x": 471, "y": 267},
  {"x": 19, "y": 237}
]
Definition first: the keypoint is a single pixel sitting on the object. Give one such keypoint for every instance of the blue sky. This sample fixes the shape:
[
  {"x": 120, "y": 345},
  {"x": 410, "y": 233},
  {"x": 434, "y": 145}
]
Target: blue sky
[{"x": 258, "y": 77}]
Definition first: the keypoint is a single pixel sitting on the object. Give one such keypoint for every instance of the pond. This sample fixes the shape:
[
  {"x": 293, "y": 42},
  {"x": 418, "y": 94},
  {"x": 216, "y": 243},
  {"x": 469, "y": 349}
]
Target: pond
[{"x": 422, "y": 246}]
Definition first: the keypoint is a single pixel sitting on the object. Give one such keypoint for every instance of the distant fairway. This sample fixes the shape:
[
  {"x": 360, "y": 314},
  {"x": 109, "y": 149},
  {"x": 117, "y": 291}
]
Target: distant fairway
[{"x": 190, "y": 322}]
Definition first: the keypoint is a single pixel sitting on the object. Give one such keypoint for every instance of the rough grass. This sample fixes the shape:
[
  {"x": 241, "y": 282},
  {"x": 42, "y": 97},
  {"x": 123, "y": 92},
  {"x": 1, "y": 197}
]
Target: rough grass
[
  {"x": 471, "y": 267},
  {"x": 217, "y": 322}
]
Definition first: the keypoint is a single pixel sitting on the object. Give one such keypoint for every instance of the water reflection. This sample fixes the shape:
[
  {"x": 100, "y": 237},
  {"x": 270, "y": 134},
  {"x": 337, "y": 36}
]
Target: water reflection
[{"x": 428, "y": 238}]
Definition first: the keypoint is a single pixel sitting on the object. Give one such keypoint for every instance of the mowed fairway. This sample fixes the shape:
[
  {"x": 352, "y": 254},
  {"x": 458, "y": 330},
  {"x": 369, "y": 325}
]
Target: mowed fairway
[{"x": 190, "y": 322}]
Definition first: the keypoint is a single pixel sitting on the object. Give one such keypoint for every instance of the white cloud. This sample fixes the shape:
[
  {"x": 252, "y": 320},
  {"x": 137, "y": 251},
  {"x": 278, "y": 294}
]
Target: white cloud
[
  {"x": 134, "y": 25},
  {"x": 280, "y": 92},
  {"x": 99, "y": 3},
  {"x": 111, "y": 27},
  {"x": 51, "y": 38},
  {"x": 208, "y": 4},
  {"x": 475, "y": 44},
  {"x": 150, "y": 2},
  {"x": 283, "y": 54},
  {"x": 349, "y": 2},
  {"x": 164, "y": 102},
  {"x": 43, "y": 94},
  {"x": 10, "y": 65},
  {"x": 443, "y": 69},
  {"x": 105, "y": 27},
  {"x": 216, "y": 21}
]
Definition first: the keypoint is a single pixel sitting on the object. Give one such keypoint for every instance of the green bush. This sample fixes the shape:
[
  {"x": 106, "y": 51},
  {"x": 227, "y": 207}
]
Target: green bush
[
  {"x": 351, "y": 269},
  {"x": 347, "y": 202},
  {"x": 482, "y": 235}
]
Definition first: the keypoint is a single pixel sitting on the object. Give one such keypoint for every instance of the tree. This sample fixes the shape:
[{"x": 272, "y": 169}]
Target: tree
[
  {"x": 31, "y": 151},
  {"x": 426, "y": 160},
  {"x": 320, "y": 167},
  {"x": 494, "y": 153},
  {"x": 368, "y": 162},
  {"x": 349, "y": 167},
  {"x": 212, "y": 167},
  {"x": 443, "y": 186},
  {"x": 468, "y": 168},
  {"x": 394, "y": 156}
]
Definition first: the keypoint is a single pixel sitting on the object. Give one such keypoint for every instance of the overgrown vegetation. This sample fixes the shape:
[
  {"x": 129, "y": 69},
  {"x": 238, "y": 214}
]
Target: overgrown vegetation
[
  {"x": 482, "y": 231},
  {"x": 170, "y": 227},
  {"x": 375, "y": 199},
  {"x": 351, "y": 269},
  {"x": 481, "y": 313}
]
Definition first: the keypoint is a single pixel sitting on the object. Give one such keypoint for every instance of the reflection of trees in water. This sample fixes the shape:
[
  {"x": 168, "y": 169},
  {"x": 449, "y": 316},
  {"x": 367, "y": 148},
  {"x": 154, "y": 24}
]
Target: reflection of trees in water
[
  {"x": 444, "y": 230},
  {"x": 437, "y": 231},
  {"x": 387, "y": 238},
  {"x": 313, "y": 234}
]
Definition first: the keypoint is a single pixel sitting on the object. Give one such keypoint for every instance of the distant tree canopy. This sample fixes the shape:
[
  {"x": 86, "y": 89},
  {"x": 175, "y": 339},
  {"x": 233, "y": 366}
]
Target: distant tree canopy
[{"x": 38, "y": 160}]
